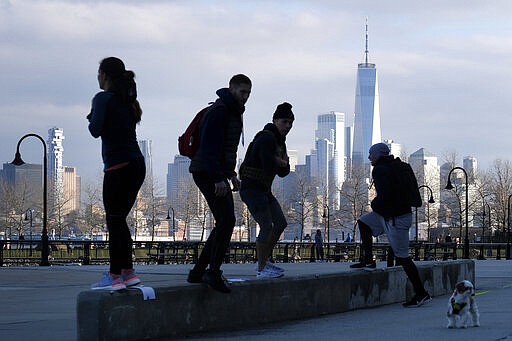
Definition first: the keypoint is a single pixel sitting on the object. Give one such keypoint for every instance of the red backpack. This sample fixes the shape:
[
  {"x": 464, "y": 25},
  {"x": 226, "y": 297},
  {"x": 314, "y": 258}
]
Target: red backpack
[{"x": 188, "y": 142}]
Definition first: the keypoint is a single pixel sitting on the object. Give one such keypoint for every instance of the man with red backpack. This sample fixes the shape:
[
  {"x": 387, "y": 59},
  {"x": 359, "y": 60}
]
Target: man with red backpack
[
  {"x": 391, "y": 216},
  {"x": 213, "y": 171}
]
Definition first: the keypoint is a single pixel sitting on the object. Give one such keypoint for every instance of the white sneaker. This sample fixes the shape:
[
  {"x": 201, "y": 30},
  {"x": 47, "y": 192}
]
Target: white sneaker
[
  {"x": 271, "y": 265},
  {"x": 274, "y": 267},
  {"x": 267, "y": 272}
]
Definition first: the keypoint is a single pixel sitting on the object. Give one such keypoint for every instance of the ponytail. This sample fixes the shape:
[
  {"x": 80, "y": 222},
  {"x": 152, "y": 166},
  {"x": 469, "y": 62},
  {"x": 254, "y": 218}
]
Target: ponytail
[
  {"x": 122, "y": 83},
  {"x": 137, "y": 111},
  {"x": 126, "y": 87}
]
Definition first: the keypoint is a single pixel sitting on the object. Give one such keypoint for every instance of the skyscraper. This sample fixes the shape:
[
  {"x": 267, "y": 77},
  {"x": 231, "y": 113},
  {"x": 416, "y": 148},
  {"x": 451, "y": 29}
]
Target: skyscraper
[
  {"x": 395, "y": 149},
  {"x": 71, "y": 190},
  {"x": 146, "y": 150},
  {"x": 425, "y": 166},
  {"x": 185, "y": 198},
  {"x": 366, "y": 113},
  {"x": 470, "y": 164},
  {"x": 177, "y": 177},
  {"x": 330, "y": 154},
  {"x": 55, "y": 158},
  {"x": 25, "y": 182}
]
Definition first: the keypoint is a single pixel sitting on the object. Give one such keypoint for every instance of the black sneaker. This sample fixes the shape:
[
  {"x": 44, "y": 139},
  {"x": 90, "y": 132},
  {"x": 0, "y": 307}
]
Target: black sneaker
[
  {"x": 195, "y": 276},
  {"x": 418, "y": 301},
  {"x": 361, "y": 265},
  {"x": 215, "y": 280}
]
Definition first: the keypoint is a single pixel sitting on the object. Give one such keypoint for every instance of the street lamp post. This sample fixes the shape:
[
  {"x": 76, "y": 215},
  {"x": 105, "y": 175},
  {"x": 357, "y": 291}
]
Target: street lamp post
[
  {"x": 430, "y": 201},
  {"x": 507, "y": 255},
  {"x": 484, "y": 214},
  {"x": 490, "y": 224},
  {"x": 450, "y": 186},
  {"x": 483, "y": 222},
  {"x": 326, "y": 215},
  {"x": 18, "y": 161},
  {"x": 168, "y": 217},
  {"x": 481, "y": 255},
  {"x": 30, "y": 231}
]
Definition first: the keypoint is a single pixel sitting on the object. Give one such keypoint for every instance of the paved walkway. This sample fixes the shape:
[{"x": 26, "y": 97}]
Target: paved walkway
[{"x": 40, "y": 303}]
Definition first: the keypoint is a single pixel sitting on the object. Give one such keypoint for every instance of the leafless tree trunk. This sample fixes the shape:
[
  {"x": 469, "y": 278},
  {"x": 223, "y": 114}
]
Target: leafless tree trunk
[{"x": 355, "y": 196}]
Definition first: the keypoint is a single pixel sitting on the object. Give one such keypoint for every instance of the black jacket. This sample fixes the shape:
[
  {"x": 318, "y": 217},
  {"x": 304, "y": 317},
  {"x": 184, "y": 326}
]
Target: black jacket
[
  {"x": 260, "y": 166},
  {"x": 219, "y": 137},
  {"x": 113, "y": 121},
  {"x": 388, "y": 203}
]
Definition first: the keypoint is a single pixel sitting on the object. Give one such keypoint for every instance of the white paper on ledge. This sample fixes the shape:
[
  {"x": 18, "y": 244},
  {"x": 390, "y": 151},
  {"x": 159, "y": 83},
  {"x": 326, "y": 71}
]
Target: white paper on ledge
[{"x": 148, "y": 293}]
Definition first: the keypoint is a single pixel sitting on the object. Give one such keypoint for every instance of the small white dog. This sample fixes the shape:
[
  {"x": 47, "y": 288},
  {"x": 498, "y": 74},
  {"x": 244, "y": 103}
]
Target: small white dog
[{"x": 462, "y": 308}]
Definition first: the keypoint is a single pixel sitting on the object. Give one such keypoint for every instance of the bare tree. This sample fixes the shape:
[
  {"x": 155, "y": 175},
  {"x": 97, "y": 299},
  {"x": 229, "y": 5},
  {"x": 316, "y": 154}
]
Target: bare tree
[
  {"x": 189, "y": 204},
  {"x": 500, "y": 184},
  {"x": 355, "y": 196},
  {"x": 58, "y": 216},
  {"x": 92, "y": 217},
  {"x": 151, "y": 201},
  {"x": 302, "y": 204},
  {"x": 450, "y": 158},
  {"x": 13, "y": 206}
]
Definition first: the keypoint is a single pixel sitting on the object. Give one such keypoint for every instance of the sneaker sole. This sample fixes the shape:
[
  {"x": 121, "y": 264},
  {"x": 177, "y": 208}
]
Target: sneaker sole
[
  {"x": 118, "y": 287},
  {"x": 370, "y": 269},
  {"x": 274, "y": 276},
  {"x": 131, "y": 283},
  {"x": 274, "y": 268}
]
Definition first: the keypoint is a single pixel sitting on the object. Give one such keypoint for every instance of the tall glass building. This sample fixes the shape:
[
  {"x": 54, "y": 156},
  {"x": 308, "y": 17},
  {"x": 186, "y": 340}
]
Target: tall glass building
[
  {"x": 366, "y": 113},
  {"x": 330, "y": 152},
  {"x": 146, "y": 150}
]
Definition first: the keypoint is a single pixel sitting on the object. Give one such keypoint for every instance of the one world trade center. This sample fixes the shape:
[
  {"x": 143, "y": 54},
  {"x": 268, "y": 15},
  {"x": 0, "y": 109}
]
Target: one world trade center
[{"x": 366, "y": 113}]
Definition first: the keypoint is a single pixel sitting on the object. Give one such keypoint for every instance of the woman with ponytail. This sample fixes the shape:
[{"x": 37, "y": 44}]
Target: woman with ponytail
[{"x": 114, "y": 115}]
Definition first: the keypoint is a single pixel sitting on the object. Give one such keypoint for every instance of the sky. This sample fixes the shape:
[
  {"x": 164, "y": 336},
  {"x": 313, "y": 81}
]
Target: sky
[{"x": 444, "y": 70}]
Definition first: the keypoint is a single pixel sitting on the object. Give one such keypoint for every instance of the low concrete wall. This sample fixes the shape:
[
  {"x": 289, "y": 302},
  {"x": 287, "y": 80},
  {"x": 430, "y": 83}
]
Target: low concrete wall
[{"x": 184, "y": 310}]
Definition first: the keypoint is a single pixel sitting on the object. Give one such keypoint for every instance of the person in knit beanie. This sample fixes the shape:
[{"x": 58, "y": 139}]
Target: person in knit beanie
[{"x": 265, "y": 158}]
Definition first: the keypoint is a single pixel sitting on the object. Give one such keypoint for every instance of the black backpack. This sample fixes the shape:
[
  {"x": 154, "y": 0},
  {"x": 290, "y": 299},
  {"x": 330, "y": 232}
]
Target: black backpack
[{"x": 407, "y": 184}]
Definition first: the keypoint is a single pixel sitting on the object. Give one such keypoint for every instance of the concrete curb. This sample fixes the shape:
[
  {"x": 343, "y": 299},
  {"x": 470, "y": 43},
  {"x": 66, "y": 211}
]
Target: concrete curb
[{"x": 185, "y": 310}]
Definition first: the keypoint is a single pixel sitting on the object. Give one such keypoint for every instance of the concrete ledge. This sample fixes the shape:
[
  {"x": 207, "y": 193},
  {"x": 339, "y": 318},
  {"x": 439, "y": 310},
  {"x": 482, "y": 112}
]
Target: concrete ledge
[{"x": 188, "y": 309}]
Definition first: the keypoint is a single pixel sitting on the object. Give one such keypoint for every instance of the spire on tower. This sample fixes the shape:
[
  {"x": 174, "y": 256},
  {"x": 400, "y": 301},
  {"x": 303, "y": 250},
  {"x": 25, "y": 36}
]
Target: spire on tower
[{"x": 366, "y": 50}]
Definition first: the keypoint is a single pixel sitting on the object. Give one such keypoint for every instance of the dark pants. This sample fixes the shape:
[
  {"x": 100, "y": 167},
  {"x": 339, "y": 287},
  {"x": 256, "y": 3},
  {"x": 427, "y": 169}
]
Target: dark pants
[
  {"x": 407, "y": 264},
  {"x": 319, "y": 252},
  {"x": 120, "y": 188},
  {"x": 223, "y": 210},
  {"x": 267, "y": 212}
]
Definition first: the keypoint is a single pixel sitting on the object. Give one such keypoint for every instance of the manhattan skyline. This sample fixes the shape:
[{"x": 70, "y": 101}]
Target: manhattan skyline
[{"x": 443, "y": 70}]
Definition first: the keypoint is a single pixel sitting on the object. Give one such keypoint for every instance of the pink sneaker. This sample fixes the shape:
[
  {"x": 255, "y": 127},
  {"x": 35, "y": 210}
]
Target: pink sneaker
[
  {"x": 109, "y": 282},
  {"x": 129, "y": 277}
]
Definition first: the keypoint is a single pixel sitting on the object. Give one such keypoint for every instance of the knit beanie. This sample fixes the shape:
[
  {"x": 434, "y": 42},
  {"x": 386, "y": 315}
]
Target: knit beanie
[
  {"x": 379, "y": 149},
  {"x": 284, "y": 110}
]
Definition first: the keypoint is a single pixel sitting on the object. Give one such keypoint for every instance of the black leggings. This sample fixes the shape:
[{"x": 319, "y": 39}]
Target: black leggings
[
  {"x": 120, "y": 189},
  {"x": 366, "y": 242},
  {"x": 223, "y": 210}
]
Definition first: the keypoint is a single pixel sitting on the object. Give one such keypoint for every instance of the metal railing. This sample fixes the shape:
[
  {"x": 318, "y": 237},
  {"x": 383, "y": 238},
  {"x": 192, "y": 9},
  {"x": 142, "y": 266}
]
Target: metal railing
[{"x": 62, "y": 252}]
